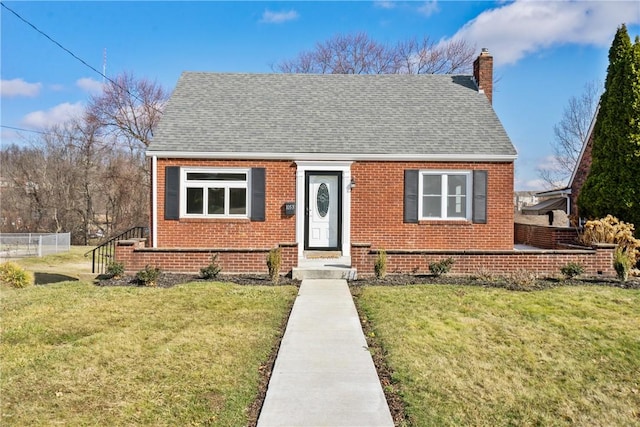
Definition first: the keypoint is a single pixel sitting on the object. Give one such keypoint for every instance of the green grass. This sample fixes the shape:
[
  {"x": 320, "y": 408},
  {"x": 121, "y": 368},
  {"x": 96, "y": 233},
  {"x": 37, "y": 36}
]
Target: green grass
[
  {"x": 78, "y": 354},
  {"x": 58, "y": 267},
  {"x": 486, "y": 357}
]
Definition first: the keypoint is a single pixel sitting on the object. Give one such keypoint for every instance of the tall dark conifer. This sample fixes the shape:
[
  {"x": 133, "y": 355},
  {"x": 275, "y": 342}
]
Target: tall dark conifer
[{"x": 613, "y": 183}]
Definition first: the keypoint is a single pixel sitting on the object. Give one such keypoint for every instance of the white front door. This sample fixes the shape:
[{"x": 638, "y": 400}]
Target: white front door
[{"x": 323, "y": 208}]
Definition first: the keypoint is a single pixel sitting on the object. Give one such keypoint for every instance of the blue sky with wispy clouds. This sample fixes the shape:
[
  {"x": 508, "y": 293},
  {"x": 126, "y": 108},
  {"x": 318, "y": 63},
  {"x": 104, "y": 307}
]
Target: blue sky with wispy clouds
[{"x": 544, "y": 51}]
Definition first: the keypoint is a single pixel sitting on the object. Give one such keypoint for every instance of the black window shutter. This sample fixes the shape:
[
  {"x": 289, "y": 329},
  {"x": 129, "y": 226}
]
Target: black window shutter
[
  {"x": 258, "y": 184},
  {"x": 172, "y": 192},
  {"x": 411, "y": 177},
  {"x": 480, "y": 197}
]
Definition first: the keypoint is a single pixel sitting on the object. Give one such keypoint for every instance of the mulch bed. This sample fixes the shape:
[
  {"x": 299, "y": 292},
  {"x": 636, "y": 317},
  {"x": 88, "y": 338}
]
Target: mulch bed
[
  {"x": 167, "y": 280},
  {"x": 394, "y": 400}
]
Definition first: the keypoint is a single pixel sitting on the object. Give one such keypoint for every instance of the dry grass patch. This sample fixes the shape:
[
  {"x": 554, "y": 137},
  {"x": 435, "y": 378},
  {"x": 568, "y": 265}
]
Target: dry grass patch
[
  {"x": 477, "y": 356},
  {"x": 77, "y": 354},
  {"x": 58, "y": 267}
]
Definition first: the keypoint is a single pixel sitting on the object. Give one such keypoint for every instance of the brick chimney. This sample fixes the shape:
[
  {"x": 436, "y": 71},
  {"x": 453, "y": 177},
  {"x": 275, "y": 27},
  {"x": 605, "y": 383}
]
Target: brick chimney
[{"x": 483, "y": 73}]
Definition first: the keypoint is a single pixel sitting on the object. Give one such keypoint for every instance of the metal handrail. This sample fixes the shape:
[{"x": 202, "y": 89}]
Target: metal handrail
[{"x": 104, "y": 253}]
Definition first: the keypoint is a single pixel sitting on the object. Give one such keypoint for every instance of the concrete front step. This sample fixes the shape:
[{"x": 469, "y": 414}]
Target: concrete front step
[{"x": 324, "y": 272}]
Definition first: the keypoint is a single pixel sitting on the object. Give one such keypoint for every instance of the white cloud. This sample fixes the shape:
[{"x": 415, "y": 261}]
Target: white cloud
[
  {"x": 90, "y": 85},
  {"x": 517, "y": 29},
  {"x": 18, "y": 87},
  {"x": 382, "y": 4},
  {"x": 54, "y": 116},
  {"x": 535, "y": 184},
  {"x": 429, "y": 8},
  {"x": 550, "y": 163},
  {"x": 270, "y": 17}
]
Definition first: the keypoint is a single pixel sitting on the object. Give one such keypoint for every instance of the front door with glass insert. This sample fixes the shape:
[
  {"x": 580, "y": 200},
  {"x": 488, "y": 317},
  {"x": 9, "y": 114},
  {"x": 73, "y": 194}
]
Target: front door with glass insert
[{"x": 323, "y": 210}]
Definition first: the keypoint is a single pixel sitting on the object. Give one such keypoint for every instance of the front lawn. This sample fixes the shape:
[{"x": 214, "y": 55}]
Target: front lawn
[
  {"x": 464, "y": 355},
  {"x": 79, "y": 354}
]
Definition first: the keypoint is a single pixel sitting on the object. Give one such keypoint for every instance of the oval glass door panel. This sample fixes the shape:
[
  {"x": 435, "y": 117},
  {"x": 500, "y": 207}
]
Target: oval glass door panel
[{"x": 322, "y": 200}]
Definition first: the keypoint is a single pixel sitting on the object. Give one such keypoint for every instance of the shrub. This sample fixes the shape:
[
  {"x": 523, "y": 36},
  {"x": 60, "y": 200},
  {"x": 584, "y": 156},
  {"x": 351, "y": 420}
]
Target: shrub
[
  {"x": 274, "y": 262},
  {"x": 522, "y": 279},
  {"x": 485, "y": 275},
  {"x": 611, "y": 230},
  {"x": 622, "y": 263},
  {"x": 441, "y": 267},
  {"x": 380, "y": 264},
  {"x": 149, "y": 276},
  {"x": 212, "y": 270},
  {"x": 15, "y": 276},
  {"x": 115, "y": 269},
  {"x": 572, "y": 270}
]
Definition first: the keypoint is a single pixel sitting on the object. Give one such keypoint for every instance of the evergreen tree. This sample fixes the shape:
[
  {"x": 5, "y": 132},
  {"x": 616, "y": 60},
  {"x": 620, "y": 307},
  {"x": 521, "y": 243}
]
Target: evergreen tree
[{"x": 613, "y": 184}]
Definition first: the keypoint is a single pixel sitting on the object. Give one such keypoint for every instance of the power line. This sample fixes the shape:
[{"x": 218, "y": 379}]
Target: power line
[
  {"x": 74, "y": 55},
  {"x": 23, "y": 130}
]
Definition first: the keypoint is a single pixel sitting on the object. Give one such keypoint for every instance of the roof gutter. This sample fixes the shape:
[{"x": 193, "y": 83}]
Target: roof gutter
[{"x": 334, "y": 156}]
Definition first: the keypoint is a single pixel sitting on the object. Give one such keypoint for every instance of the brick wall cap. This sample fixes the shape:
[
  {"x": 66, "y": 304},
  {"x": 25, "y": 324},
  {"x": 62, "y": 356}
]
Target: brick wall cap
[
  {"x": 604, "y": 245},
  {"x": 360, "y": 245},
  {"x": 130, "y": 242},
  {"x": 575, "y": 247},
  {"x": 454, "y": 252},
  {"x": 202, "y": 250}
]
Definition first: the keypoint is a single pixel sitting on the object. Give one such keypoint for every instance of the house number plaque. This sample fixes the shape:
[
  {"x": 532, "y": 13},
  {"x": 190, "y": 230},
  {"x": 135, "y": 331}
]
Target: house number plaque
[{"x": 290, "y": 208}]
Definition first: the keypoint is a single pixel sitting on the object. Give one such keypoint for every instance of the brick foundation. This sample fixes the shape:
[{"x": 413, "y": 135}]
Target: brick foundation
[
  {"x": 135, "y": 256},
  {"x": 596, "y": 261}
]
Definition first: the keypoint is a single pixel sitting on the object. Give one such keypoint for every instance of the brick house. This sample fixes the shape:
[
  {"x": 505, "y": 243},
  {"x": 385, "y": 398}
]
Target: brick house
[
  {"x": 333, "y": 169},
  {"x": 326, "y": 165}
]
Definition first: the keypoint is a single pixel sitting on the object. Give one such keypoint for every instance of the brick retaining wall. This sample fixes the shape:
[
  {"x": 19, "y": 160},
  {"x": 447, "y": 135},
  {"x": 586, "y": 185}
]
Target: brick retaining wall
[
  {"x": 596, "y": 261},
  {"x": 135, "y": 256},
  {"x": 544, "y": 237}
]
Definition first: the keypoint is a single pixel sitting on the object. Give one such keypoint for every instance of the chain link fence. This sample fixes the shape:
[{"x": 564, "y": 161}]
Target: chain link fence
[{"x": 21, "y": 245}]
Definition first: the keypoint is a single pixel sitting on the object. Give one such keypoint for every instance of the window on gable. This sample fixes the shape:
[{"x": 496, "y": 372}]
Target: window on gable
[
  {"x": 215, "y": 193},
  {"x": 444, "y": 195}
]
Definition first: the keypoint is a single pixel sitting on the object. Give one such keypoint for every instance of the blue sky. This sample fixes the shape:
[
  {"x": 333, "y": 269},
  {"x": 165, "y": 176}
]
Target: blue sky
[{"x": 544, "y": 52}]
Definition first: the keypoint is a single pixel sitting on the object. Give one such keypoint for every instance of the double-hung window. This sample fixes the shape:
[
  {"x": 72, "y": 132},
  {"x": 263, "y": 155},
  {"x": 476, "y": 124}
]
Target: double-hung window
[
  {"x": 444, "y": 195},
  {"x": 215, "y": 193}
]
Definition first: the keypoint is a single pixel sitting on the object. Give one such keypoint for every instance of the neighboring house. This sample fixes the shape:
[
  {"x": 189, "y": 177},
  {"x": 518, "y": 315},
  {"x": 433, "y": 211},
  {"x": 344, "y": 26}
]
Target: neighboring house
[
  {"x": 324, "y": 165},
  {"x": 567, "y": 198},
  {"x": 522, "y": 199}
]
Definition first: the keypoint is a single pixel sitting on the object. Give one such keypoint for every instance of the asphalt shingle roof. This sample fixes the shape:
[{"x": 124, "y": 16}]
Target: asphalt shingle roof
[{"x": 330, "y": 114}]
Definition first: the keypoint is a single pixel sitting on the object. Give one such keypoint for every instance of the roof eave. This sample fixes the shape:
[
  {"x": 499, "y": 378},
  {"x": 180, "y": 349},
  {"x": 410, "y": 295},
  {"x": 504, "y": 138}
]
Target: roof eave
[
  {"x": 557, "y": 192},
  {"x": 334, "y": 156},
  {"x": 583, "y": 148}
]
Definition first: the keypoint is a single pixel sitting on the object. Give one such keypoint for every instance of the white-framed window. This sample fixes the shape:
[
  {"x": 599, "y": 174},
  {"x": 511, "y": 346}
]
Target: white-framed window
[
  {"x": 214, "y": 193},
  {"x": 445, "y": 195}
]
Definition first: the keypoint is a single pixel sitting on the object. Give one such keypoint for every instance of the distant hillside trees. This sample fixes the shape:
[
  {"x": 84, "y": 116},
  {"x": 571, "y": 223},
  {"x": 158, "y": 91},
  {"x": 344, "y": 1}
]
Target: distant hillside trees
[
  {"x": 613, "y": 184},
  {"x": 88, "y": 175}
]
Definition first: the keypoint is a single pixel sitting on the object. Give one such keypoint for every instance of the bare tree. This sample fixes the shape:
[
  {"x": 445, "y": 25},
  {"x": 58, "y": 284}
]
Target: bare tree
[
  {"x": 87, "y": 174},
  {"x": 129, "y": 109},
  {"x": 342, "y": 54},
  {"x": 359, "y": 54},
  {"x": 570, "y": 134},
  {"x": 23, "y": 200},
  {"x": 68, "y": 179},
  {"x": 127, "y": 192},
  {"x": 427, "y": 57}
]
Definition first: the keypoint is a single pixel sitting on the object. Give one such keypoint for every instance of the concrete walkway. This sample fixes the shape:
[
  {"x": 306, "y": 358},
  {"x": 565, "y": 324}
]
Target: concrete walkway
[{"x": 324, "y": 374}]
